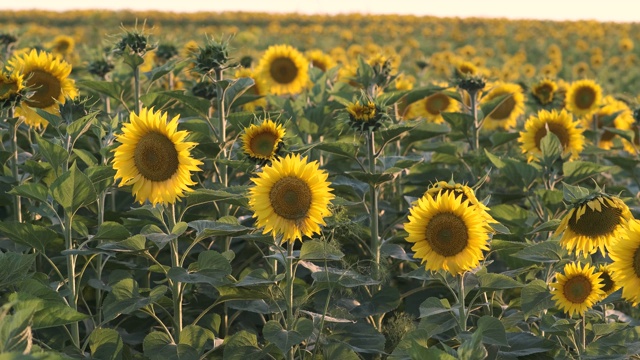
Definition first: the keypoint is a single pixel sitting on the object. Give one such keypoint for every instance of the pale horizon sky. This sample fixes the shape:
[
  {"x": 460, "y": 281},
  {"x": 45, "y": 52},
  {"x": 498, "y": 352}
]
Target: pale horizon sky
[{"x": 609, "y": 10}]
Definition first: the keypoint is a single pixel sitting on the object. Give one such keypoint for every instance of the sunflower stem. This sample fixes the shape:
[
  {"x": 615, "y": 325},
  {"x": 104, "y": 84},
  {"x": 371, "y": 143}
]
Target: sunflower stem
[
  {"x": 584, "y": 333},
  {"x": 101, "y": 205},
  {"x": 17, "y": 204},
  {"x": 289, "y": 293},
  {"x": 136, "y": 84},
  {"x": 176, "y": 286},
  {"x": 375, "y": 241},
  {"x": 463, "y": 314},
  {"x": 71, "y": 276},
  {"x": 473, "y": 96}
]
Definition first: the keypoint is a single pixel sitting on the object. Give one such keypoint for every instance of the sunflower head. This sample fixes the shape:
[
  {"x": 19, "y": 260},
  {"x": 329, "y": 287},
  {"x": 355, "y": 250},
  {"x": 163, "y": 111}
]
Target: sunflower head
[
  {"x": 204, "y": 89},
  {"x": 62, "y": 45},
  {"x": 612, "y": 113},
  {"x": 544, "y": 90},
  {"x": 466, "y": 68},
  {"x": 154, "y": 158},
  {"x": 262, "y": 142},
  {"x": 447, "y": 233},
  {"x": 578, "y": 289},
  {"x": 561, "y": 124},
  {"x": 583, "y": 97},
  {"x": 505, "y": 115},
  {"x": 259, "y": 88},
  {"x": 290, "y": 198},
  {"x": 318, "y": 59},
  {"x": 165, "y": 52},
  {"x": 593, "y": 222},
  {"x": 472, "y": 84},
  {"x": 284, "y": 69},
  {"x": 213, "y": 56},
  {"x": 609, "y": 285},
  {"x": 365, "y": 116},
  {"x": 626, "y": 262},
  {"x": 133, "y": 42},
  {"x": 12, "y": 88},
  {"x": 100, "y": 67}
]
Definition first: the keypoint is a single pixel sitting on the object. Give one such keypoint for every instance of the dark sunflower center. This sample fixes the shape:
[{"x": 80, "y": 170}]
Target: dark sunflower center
[
  {"x": 320, "y": 65},
  {"x": 465, "y": 69},
  {"x": 504, "y": 110},
  {"x": 447, "y": 234},
  {"x": 46, "y": 88},
  {"x": 290, "y": 198},
  {"x": 577, "y": 289},
  {"x": 156, "y": 157},
  {"x": 283, "y": 70},
  {"x": 558, "y": 130},
  {"x": 636, "y": 262},
  {"x": 607, "y": 281},
  {"x": 63, "y": 46},
  {"x": 585, "y": 97},
  {"x": 436, "y": 103},
  {"x": 463, "y": 196},
  {"x": 544, "y": 93},
  {"x": 263, "y": 144},
  {"x": 595, "y": 223}
]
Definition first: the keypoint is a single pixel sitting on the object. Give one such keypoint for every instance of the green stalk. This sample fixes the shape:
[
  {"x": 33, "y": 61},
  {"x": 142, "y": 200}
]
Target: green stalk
[
  {"x": 476, "y": 124},
  {"x": 289, "y": 293},
  {"x": 17, "y": 203},
  {"x": 375, "y": 241},
  {"x": 176, "y": 286},
  {"x": 100, "y": 203},
  {"x": 136, "y": 84},
  {"x": 584, "y": 333},
  {"x": 463, "y": 314},
  {"x": 71, "y": 275}
]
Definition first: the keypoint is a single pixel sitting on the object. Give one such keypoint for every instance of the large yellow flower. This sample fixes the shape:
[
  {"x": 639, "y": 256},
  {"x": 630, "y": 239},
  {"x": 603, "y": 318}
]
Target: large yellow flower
[
  {"x": 431, "y": 107},
  {"x": 561, "y": 124},
  {"x": 62, "y": 45},
  {"x": 609, "y": 285},
  {"x": 593, "y": 224},
  {"x": 583, "y": 97},
  {"x": 578, "y": 289},
  {"x": 259, "y": 88},
  {"x": 544, "y": 90},
  {"x": 285, "y": 69},
  {"x": 10, "y": 85},
  {"x": 291, "y": 197},
  {"x": 448, "y": 233},
  {"x": 261, "y": 142},
  {"x": 622, "y": 121},
  {"x": 320, "y": 60},
  {"x": 625, "y": 254},
  {"x": 48, "y": 78},
  {"x": 465, "y": 193},
  {"x": 505, "y": 115},
  {"x": 154, "y": 158}
]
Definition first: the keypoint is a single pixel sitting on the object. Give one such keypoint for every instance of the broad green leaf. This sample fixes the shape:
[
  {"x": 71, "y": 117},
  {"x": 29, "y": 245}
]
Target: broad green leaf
[
  {"x": 319, "y": 250},
  {"x": 495, "y": 160},
  {"x": 211, "y": 277},
  {"x": 256, "y": 277},
  {"x": 158, "y": 346},
  {"x": 550, "y": 225},
  {"x": 105, "y": 344},
  {"x": 500, "y": 138},
  {"x": 385, "y": 300},
  {"x": 208, "y": 228},
  {"x": 14, "y": 267},
  {"x": 134, "y": 243},
  {"x": 242, "y": 345},
  {"x": 73, "y": 190},
  {"x": 421, "y": 93},
  {"x": 536, "y": 297},
  {"x": 360, "y": 337},
  {"x": 55, "y": 154},
  {"x": 87, "y": 157},
  {"x": 394, "y": 251},
  {"x": 47, "y": 313},
  {"x": 551, "y": 148},
  {"x": 112, "y": 231},
  {"x": 80, "y": 126},
  {"x": 606, "y": 329},
  {"x": 493, "y": 332},
  {"x": 285, "y": 339},
  {"x": 490, "y": 106},
  {"x": 346, "y": 278},
  {"x": 472, "y": 348},
  {"x": 432, "y": 306},
  {"x": 572, "y": 193},
  {"x": 204, "y": 196},
  {"x": 15, "y": 330},
  {"x": 32, "y": 191},
  {"x": 526, "y": 343},
  {"x": 125, "y": 297},
  {"x": 346, "y": 149},
  {"x": 459, "y": 121},
  {"x": 54, "y": 119},
  {"x": 239, "y": 87},
  {"x": 101, "y": 176},
  {"x": 196, "y": 337},
  {"x": 492, "y": 281},
  {"x": 35, "y": 236},
  {"x": 163, "y": 99},
  {"x": 577, "y": 171},
  {"x": 394, "y": 131},
  {"x": 339, "y": 351},
  {"x": 549, "y": 251},
  {"x": 110, "y": 88},
  {"x": 156, "y": 235}
]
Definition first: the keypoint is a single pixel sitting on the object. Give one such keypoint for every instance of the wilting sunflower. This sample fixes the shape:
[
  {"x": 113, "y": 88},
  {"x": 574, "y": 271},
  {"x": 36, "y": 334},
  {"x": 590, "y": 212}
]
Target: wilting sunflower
[
  {"x": 505, "y": 115},
  {"x": 583, "y": 97},
  {"x": 262, "y": 142},
  {"x": 594, "y": 223},
  {"x": 154, "y": 158},
  {"x": 320, "y": 60},
  {"x": 609, "y": 286},
  {"x": 625, "y": 254},
  {"x": 291, "y": 197},
  {"x": 544, "y": 90},
  {"x": 448, "y": 233},
  {"x": 431, "y": 107},
  {"x": 285, "y": 69},
  {"x": 561, "y": 124},
  {"x": 259, "y": 88},
  {"x": 48, "y": 78},
  {"x": 622, "y": 121},
  {"x": 465, "y": 192},
  {"x": 577, "y": 289}
]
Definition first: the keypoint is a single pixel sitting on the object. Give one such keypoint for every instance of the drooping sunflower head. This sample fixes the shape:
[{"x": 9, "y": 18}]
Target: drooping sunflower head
[
  {"x": 561, "y": 124},
  {"x": 505, "y": 115},
  {"x": 447, "y": 233},
  {"x": 262, "y": 142},
  {"x": 578, "y": 289},
  {"x": 285, "y": 70},
  {"x": 596, "y": 222},
  {"x": 609, "y": 286},
  {"x": 318, "y": 59},
  {"x": 626, "y": 262},
  {"x": 11, "y": 88},
  {"x": 291, "y": 197},
  {"x": 544, "y": 90},
  {"x": 614, "y": 114},
  {"x": 259, "y": 88},
  {"x": 583, "y": 97},
  {"x": 364, "y": 116},
  {"x": 154, "y": 158},
  {"x": 48, "y": 79}
]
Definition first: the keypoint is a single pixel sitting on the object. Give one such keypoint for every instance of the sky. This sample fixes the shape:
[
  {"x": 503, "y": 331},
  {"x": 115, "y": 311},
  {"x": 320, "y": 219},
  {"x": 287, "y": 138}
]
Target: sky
[{"x": 602, "y": 10}]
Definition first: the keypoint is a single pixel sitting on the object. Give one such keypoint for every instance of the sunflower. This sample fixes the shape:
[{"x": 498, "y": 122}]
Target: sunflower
[
  {"x": 262, "y": 142},
  {"x": 625, "y": 44},
  {"x": 11, "y": 84},
  {"x": 259, "y": 88},
  {"x": 544, "y": 90},
  {"x": 561, "y": 124},
  {"x": 154, "y": 158},
  {"x": 580, "y": 69},
  {"x": 466, "y": 67},
  {"x": 62, "y": 45},
  {"x": 465, "y": 192},
  {"x": 583, "y": 97},
  {"x": 448, "y": 233},
  {"x": 285, "y": 69},
  {"x": 622, "y": 121},
  {"x": 577, "y": 289},
  {"x": 431, "y": 107},
  {"x": 320, "y": 60},
  {"x": 594, "y": 223},
  {"x": 291, "y": 197},
  {"x": 48, "y": 78},
  {"x": 626, "y": 262},
  {"x": 609, "y": 286},
  {"x": 505, "y": 115}
]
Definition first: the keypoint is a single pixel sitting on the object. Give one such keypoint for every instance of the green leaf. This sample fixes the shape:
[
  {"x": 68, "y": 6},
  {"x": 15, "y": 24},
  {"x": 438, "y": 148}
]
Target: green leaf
[
  {"x": 101, "y": 176},
  {"x": 237, "y": 88},
  {"x": 113, "y": 231},
  {"x": 522, "y": 344},
  {"x": 35, "y": 236},
  {"x": 573, "y": 194},
  {"x": 242, "y": 345},
  {"x": 162, "y": 70},
  {"x": 346, "y": 149},
  {"x": 210, "y": 277},
  {"x": 164, "y": 99},
  {"x": 490, "y": 106},
  {"x": 55, "y": 154},
  {"x": 204, "y": 196},
  {"x": 54, "y": 119},
  {"x": 110, "y": 88},
  {"x": 372, "y": 179},
  {"x": 492, "y": 281},
  {"x": 536, "y": 297},
  {"x": 549, "y": 251},
  {"x": 551, "y": 148},
  {"x": 346, "y": 278},
  {"x": 125, "y": 297},
  {"x": 319, "y": 250},
  {"x": 385, "y": 300},
  {"x": 431, "y": 353},
  {"x": 105, "y": 344},
  {"x": 256, "y": 277},
  {"x": 421, "y": 93},
  {"x": 135, "y": 243},
  {"x": 158, "y": 345},
  {"x": 472, "y": 349},
  {"x": 14, "y": 267},
  {"x": 495, "y": 160},
  {"x": 360, "y": 337},
  {"x": 286, "y": 339},
  {"x": 196, "y": 337},
  {"x": 87, "y": 157},
  {"x": 459, "y": 121},
  {"x": 550, "y": 225},
  {"x": 47, "y": 313},
  {"x": 432, "y": 306},
  {"x": 394, "y": 251},
  {"x": 394, "y": 131},
  {"x": 606, "y": 329},
  {"x": 577, "y": 171},
  {"x": 493, "y": 332},
  {"x": 32, "y": 191},
  {"x": 80, "y": 126},
  {"x": 15, "y": 330},
  {"x": 73, "y": 190},
  {"x": 208, "y": 228},
  {"x": 501, "y": 138}
]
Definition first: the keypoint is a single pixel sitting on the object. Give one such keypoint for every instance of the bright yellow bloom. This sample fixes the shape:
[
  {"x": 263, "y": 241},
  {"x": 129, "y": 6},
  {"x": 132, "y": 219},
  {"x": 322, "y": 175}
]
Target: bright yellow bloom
[{"x": 578, "y": 289}]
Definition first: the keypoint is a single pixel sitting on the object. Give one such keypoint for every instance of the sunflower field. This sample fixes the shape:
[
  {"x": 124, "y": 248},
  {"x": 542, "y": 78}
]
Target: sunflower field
[{"x": 248, "y": 185}]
